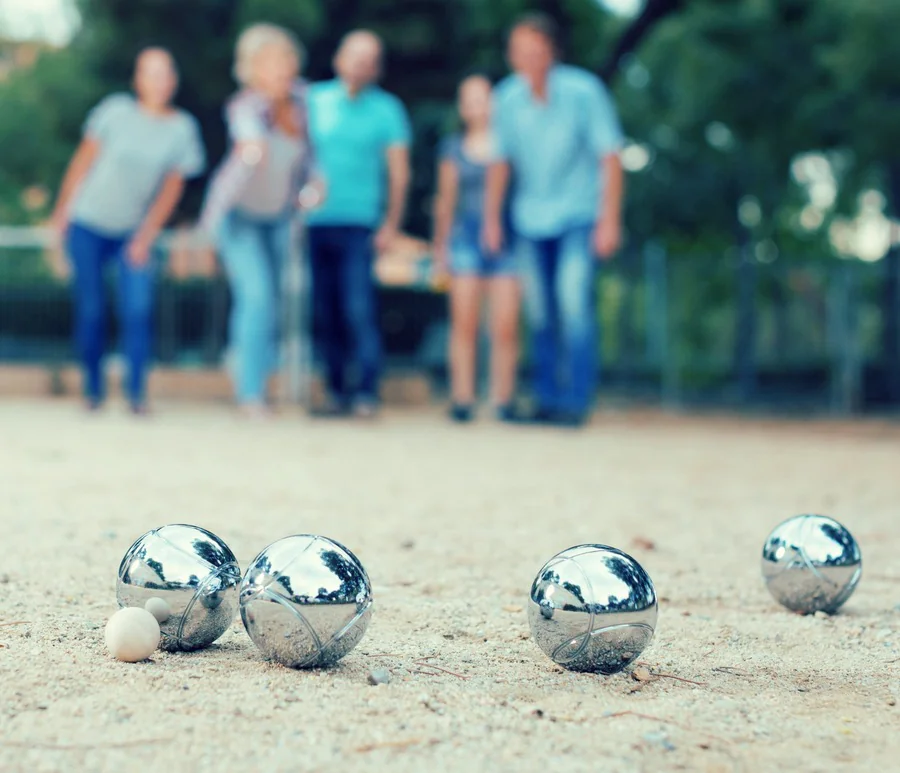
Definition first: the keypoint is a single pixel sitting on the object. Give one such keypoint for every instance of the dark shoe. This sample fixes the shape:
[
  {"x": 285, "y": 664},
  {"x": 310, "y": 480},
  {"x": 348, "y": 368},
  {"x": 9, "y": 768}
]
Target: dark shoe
[
  {"x": 139, "y": 409},
  {"x": 461, "y": 413},
  {"x": 514, "y": 415},
  {"x": 506, "y": 413},
  {"x": 331, "y": 409}
]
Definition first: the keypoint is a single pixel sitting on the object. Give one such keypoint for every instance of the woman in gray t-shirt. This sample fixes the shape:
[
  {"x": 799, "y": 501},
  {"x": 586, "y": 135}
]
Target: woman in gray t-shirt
[
  {"x": 122, "y": 185},
  {"x": 475, "y": 273}
]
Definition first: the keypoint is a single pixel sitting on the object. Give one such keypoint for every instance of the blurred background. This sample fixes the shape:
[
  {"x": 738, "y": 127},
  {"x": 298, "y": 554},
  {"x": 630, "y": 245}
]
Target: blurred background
[{"x": 761, "y": 267}]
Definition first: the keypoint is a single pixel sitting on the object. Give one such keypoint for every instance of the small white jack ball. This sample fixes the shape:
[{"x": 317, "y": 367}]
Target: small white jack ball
[
  {"x": 158, "y": 608},
  {"x": 132, "y": 634}
]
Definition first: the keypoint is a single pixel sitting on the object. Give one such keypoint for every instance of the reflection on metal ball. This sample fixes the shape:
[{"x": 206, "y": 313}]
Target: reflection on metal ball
[
  {"x": 306, "y": 601},
  {"x": 592, "y": 608},
  {"x": 191, "y": 575},
  {"x": 811, "y": 563}
]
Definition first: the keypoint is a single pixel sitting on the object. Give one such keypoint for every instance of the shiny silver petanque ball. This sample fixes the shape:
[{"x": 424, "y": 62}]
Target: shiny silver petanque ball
[
  {"x": 592, "y": 608},
  {"x": 811, "y": 563},
  {"x": 187, "y": 578},
  {"x": 306, "y": 601}
]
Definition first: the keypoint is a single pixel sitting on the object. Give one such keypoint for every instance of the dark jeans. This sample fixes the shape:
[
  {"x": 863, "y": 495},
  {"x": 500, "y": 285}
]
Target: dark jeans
[
  {"x": 560, "y": 301},
  {"x": 345, "y": 309},
  {"x": 91, "y": 253}
]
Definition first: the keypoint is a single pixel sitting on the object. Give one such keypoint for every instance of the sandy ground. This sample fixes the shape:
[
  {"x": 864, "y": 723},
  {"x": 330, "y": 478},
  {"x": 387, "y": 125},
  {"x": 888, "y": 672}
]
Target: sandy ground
[{"x": 452, "y": 523}]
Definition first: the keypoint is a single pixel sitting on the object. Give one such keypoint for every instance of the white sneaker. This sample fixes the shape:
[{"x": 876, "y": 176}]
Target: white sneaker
[{"x": 365, "y": 409}]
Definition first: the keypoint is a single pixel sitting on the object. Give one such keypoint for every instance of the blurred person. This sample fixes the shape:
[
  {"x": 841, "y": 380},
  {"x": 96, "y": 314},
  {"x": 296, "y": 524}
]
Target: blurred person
[
  {"x": 122, "y": 185},
  {"x": 558, "y": 132},
  {"x": 252, "y": 199},
  {"x": 459, "y": 206},
  {"x": 362, "y": 136}
]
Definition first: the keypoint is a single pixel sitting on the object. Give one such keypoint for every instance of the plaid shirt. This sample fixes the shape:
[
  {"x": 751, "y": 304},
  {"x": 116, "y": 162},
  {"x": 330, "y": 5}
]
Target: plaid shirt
[{"x": 250, "y": 119}]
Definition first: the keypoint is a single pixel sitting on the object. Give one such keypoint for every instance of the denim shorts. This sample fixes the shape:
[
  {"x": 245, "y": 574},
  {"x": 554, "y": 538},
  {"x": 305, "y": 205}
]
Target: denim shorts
[{"x": 468, "y": 257}]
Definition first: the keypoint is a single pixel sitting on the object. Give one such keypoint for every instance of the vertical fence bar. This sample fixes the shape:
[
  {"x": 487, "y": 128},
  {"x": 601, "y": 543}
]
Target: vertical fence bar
[
  {"x": 166, "y": 325},
  {"x": 655, "y": 321},
  {"x": 217, "y": 299},
  {"x": 890, "y": 335},
  {"x": 167, "y": 318},
  {"x": 625, "y": 334},
  {"x": 296, "y": 314},
  {"x": 745, "y": 354},
  {"x": 207, "y": 340},
  {"x": 659, "y": 353},
  {"x": 846, "y": 357}
]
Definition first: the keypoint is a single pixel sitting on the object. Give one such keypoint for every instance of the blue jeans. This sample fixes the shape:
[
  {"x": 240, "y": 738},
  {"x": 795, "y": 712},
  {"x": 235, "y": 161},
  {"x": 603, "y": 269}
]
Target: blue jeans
[
  {"x": 91, "y": 253},
  {"x": 560, "y": 297},
  {"x": 345, "y": 308},
  {"x": 468, "y": 257},
  {"x": 254, "y": 253}
]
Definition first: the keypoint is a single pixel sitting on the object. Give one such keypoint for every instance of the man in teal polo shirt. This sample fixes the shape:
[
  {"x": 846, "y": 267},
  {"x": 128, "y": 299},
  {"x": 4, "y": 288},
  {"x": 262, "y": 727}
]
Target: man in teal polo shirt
[
  {"x": 361, "y": 137},
  {"x": 558, "y": 132}
]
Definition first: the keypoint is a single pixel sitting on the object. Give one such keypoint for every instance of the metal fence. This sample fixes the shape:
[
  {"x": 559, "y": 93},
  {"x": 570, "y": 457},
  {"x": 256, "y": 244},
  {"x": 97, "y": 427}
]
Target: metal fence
[
  {"x": 191, "y": 311},
  {"x": 731, "y": 331},
  {"x": 36, "y": 308},
  {"x": 703, "y": 330}
]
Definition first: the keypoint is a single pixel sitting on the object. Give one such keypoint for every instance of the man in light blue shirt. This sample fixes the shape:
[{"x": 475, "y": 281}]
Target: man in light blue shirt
[
  {"x": 361, "y": 136},
  {"x": 558, "y": 132}
]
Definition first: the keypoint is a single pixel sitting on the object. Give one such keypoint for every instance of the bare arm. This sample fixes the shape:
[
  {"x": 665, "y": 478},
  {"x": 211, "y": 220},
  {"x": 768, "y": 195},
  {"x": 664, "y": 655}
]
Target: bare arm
[
  {"x": 608, "y": 233},
  {"x": 496, "y": 186},
  {"x": 445, "y": 202},
  {"x": 611, "y": 169},
  {"x": 158, "y": 215},
  {"x": 238, "y": 168},
  {"x": 398, "y": 185},
  {"x": 81, "y": 163},
  {"x": 163, "y": 206},
  {"x": 244, "y": 115}
]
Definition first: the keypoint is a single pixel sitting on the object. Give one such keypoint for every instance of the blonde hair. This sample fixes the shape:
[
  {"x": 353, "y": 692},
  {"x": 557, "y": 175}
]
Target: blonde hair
[{"x": 256, "y": 38}]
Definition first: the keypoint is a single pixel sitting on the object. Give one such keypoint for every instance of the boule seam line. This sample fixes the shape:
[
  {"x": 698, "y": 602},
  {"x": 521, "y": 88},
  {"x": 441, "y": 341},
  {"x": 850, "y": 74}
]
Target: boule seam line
[
  {"x": 276, "y": 574},
  {"x": 585, "y": 637},
  {"x": 352, "y": 622},
  {"x": 214, "y": 575},
  {"x": 807, "y": 529},
  {"x": 279, "y": 599}
]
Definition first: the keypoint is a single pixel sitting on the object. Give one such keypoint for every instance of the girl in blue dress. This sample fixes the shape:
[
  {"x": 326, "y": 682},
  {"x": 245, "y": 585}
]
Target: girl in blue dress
[{"x": 476, "y": 274}]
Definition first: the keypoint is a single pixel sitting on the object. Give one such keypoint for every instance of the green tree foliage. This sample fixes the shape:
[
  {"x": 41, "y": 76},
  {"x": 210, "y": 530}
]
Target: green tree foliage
[
  {"x": 719, "y": 94},
  {"x": 40, "y": 113},
  {"x": 722, "y": 93}
]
